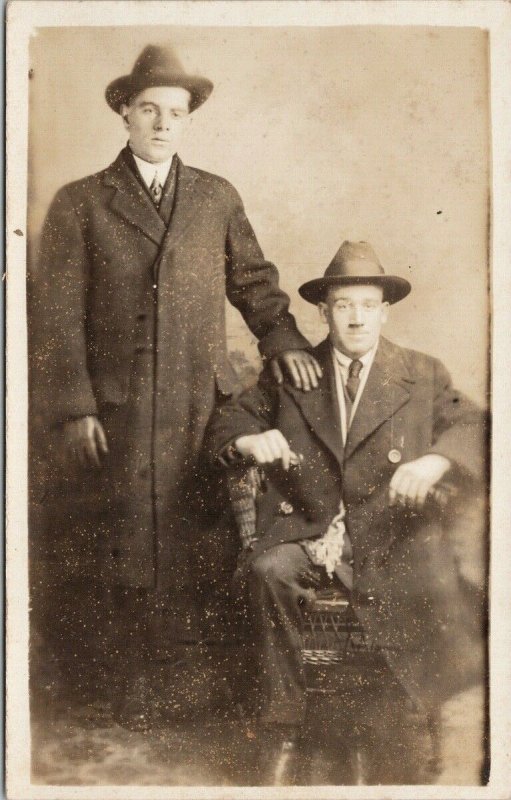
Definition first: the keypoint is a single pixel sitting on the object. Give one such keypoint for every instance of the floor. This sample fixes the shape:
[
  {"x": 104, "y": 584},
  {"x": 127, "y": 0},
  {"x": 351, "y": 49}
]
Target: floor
[{"x": 82, "y": 746}]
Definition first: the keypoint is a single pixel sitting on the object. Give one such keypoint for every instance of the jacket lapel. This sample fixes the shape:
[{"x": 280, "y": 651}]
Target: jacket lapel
[
  {"x": 320, "y": 406},
  {"x": 188, "y": 195},
  {"x": 132, "y": 202},
  {"x": 386, "y": 390}
]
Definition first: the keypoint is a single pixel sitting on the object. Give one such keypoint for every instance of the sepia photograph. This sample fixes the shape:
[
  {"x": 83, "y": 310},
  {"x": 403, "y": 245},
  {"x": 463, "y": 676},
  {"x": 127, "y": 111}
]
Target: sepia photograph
[{"x": 252, "y": 517}]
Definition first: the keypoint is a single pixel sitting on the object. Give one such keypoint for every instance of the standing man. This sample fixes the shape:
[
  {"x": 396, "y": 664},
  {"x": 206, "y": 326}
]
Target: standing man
[
  {"x": 135, "y": 265},
  {"x": 349, "y": 467}
]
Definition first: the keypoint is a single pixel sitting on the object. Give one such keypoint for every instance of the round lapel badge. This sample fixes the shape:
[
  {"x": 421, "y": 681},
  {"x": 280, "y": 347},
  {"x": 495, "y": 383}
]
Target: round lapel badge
[
  {"x": 286, "y": 508},
  {"x": 394, "y": 456}
]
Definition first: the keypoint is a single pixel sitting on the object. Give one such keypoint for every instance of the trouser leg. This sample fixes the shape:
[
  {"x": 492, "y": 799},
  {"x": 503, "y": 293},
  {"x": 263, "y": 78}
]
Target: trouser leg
[
  {"x": 134, "y": 704},
  {"x": 70, "y": 647},
  {"x": 395, "y": 738},
  {"x": 130, "y": 624},
  {"x": 147, "y": 627},
  {"x": 153, "y": 660},
  {"x": 280, "y": 582}
]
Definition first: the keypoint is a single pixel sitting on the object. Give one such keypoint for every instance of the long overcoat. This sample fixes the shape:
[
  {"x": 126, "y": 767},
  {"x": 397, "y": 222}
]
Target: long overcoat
[
  {"x": 131, "y": 328},
  {"x": 408, "y": 593}
]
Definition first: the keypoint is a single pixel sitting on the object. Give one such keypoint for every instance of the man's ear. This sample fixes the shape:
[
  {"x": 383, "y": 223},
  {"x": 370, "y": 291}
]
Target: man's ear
[
  {"x": 323, "y": 308},
  {"x": 124, "y": 115},
  {"x": 187, "y": 123},
  {"x": 385, "y": 312}
]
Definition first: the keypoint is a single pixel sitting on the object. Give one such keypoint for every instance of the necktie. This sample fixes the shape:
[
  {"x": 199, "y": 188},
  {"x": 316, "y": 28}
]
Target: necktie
[
  {"x": 353, "y": 381},
  {"x": 156, "y": 189}
]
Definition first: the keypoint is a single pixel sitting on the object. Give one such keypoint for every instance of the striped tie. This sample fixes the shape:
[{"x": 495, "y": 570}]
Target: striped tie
[
  {"x": 156, "y": 189},
  {"x": 353, "y": 381}
]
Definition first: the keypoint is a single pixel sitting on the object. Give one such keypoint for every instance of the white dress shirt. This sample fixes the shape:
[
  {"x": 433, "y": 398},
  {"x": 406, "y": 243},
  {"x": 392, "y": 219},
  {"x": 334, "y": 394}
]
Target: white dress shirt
[
  {"x": 148, "y": 170},
  {"x": 341, "y": 369}
]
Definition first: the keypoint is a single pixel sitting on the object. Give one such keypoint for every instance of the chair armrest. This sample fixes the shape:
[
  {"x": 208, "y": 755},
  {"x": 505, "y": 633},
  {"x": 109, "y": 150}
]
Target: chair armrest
[
  {"x": 443, "y": 493},
  {"x": 243, "y": 486}
]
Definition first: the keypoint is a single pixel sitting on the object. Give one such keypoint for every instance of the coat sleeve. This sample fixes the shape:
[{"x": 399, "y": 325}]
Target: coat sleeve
[
  {"x": 252, "y": 285},
  {"x": 460, "y": 428},
  {"x": 60, "y": 289},
  {"x": 252, "y": 412}
]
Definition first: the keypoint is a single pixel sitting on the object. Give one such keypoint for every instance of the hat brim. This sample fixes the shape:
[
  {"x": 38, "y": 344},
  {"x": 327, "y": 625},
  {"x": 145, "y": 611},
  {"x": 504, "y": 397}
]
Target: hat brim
[
  {"x": 394, "y": 288},
  {"x": 122, "y": 89}
]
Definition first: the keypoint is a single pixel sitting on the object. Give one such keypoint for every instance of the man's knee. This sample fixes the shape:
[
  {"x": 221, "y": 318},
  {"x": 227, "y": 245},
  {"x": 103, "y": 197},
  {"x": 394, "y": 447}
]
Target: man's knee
[
  {"x": 276, "y": 567},
  {"x": 266, "y": 569}
]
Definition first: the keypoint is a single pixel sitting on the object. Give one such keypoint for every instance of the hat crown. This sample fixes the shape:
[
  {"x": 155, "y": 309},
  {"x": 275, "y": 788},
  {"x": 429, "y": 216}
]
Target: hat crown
[
  {"x": 157, "y": 65},
  {"x": 354, "y": 259},
  {"x": 355, "y": 263},
  {"x": 157, "y": 60}
]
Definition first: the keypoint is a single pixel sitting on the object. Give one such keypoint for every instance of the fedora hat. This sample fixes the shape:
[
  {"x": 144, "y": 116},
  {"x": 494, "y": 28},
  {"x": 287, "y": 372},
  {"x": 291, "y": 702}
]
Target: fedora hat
[
  {"x": 355, "y": 262},
  {"x": 157, "y": 66}
]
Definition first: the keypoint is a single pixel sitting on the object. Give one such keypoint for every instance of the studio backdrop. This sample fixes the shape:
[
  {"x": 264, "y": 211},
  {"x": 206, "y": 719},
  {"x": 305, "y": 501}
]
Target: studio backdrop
[{"x": 362, "y": 133}]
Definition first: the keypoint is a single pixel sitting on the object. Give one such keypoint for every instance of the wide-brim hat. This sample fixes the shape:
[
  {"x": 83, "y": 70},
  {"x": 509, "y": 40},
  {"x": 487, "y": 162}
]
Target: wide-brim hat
[
  {"x": 157, "y": 66},
  {"x": 355, "y": 263}
]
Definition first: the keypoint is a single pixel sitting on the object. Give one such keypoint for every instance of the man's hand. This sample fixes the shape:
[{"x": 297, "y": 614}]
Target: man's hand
[
  {"x": 85, "y": 441},
  {"x": 412, "y": 482},
  {"x": 300, "y": 366},
  {"x": 266, "y": 448}
]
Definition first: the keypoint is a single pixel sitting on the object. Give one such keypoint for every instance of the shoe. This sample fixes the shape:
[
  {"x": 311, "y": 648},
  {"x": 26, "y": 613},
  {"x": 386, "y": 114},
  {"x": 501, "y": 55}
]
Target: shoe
[{"x": 278, "y": 759}]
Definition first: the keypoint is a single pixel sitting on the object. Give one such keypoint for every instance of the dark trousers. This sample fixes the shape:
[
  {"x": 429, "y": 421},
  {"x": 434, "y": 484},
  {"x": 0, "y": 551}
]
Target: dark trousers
[
  {"x": 280, "y": 583},
  {"x": 372, "y": 713}
]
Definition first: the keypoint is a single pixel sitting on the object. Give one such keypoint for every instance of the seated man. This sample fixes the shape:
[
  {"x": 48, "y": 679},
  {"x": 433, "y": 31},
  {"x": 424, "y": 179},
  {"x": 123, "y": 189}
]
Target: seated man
[{"x": 349, "y": 468}]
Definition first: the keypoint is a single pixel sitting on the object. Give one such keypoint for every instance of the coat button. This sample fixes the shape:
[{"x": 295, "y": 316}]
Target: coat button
[
  {"x": 285, "y": 508},
  {"x": 394, "y": 456}
]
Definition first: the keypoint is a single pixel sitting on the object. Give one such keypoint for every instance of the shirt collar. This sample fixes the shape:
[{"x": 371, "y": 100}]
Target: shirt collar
[
  {"x": 345, "y": 360},
  {"x": 148, "y": 170}
]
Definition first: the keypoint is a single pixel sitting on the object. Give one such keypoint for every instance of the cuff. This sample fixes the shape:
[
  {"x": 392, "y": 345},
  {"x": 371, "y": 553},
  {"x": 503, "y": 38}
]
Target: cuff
[
  {"x": 229, "y": 456},
  {"x": 278, "y": 341}
]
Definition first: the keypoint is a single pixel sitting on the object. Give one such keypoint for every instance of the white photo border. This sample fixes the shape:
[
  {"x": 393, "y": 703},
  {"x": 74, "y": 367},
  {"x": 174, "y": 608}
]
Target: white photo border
[{"x": 23, "y": 16}]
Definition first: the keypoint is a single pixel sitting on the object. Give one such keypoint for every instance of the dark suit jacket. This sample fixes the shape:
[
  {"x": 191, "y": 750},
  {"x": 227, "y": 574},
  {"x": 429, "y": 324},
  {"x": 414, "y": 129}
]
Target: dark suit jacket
[
  {"x": 402, "y": 559},
  {"x": 101, "y": 238},
  {"x": 131, "y": 315}
]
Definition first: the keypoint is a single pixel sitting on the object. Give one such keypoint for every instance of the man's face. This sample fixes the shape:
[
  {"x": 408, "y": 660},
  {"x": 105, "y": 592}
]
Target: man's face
[
  {"x": 354, "y": 315},
  {"x": 155, "y": 119}
]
